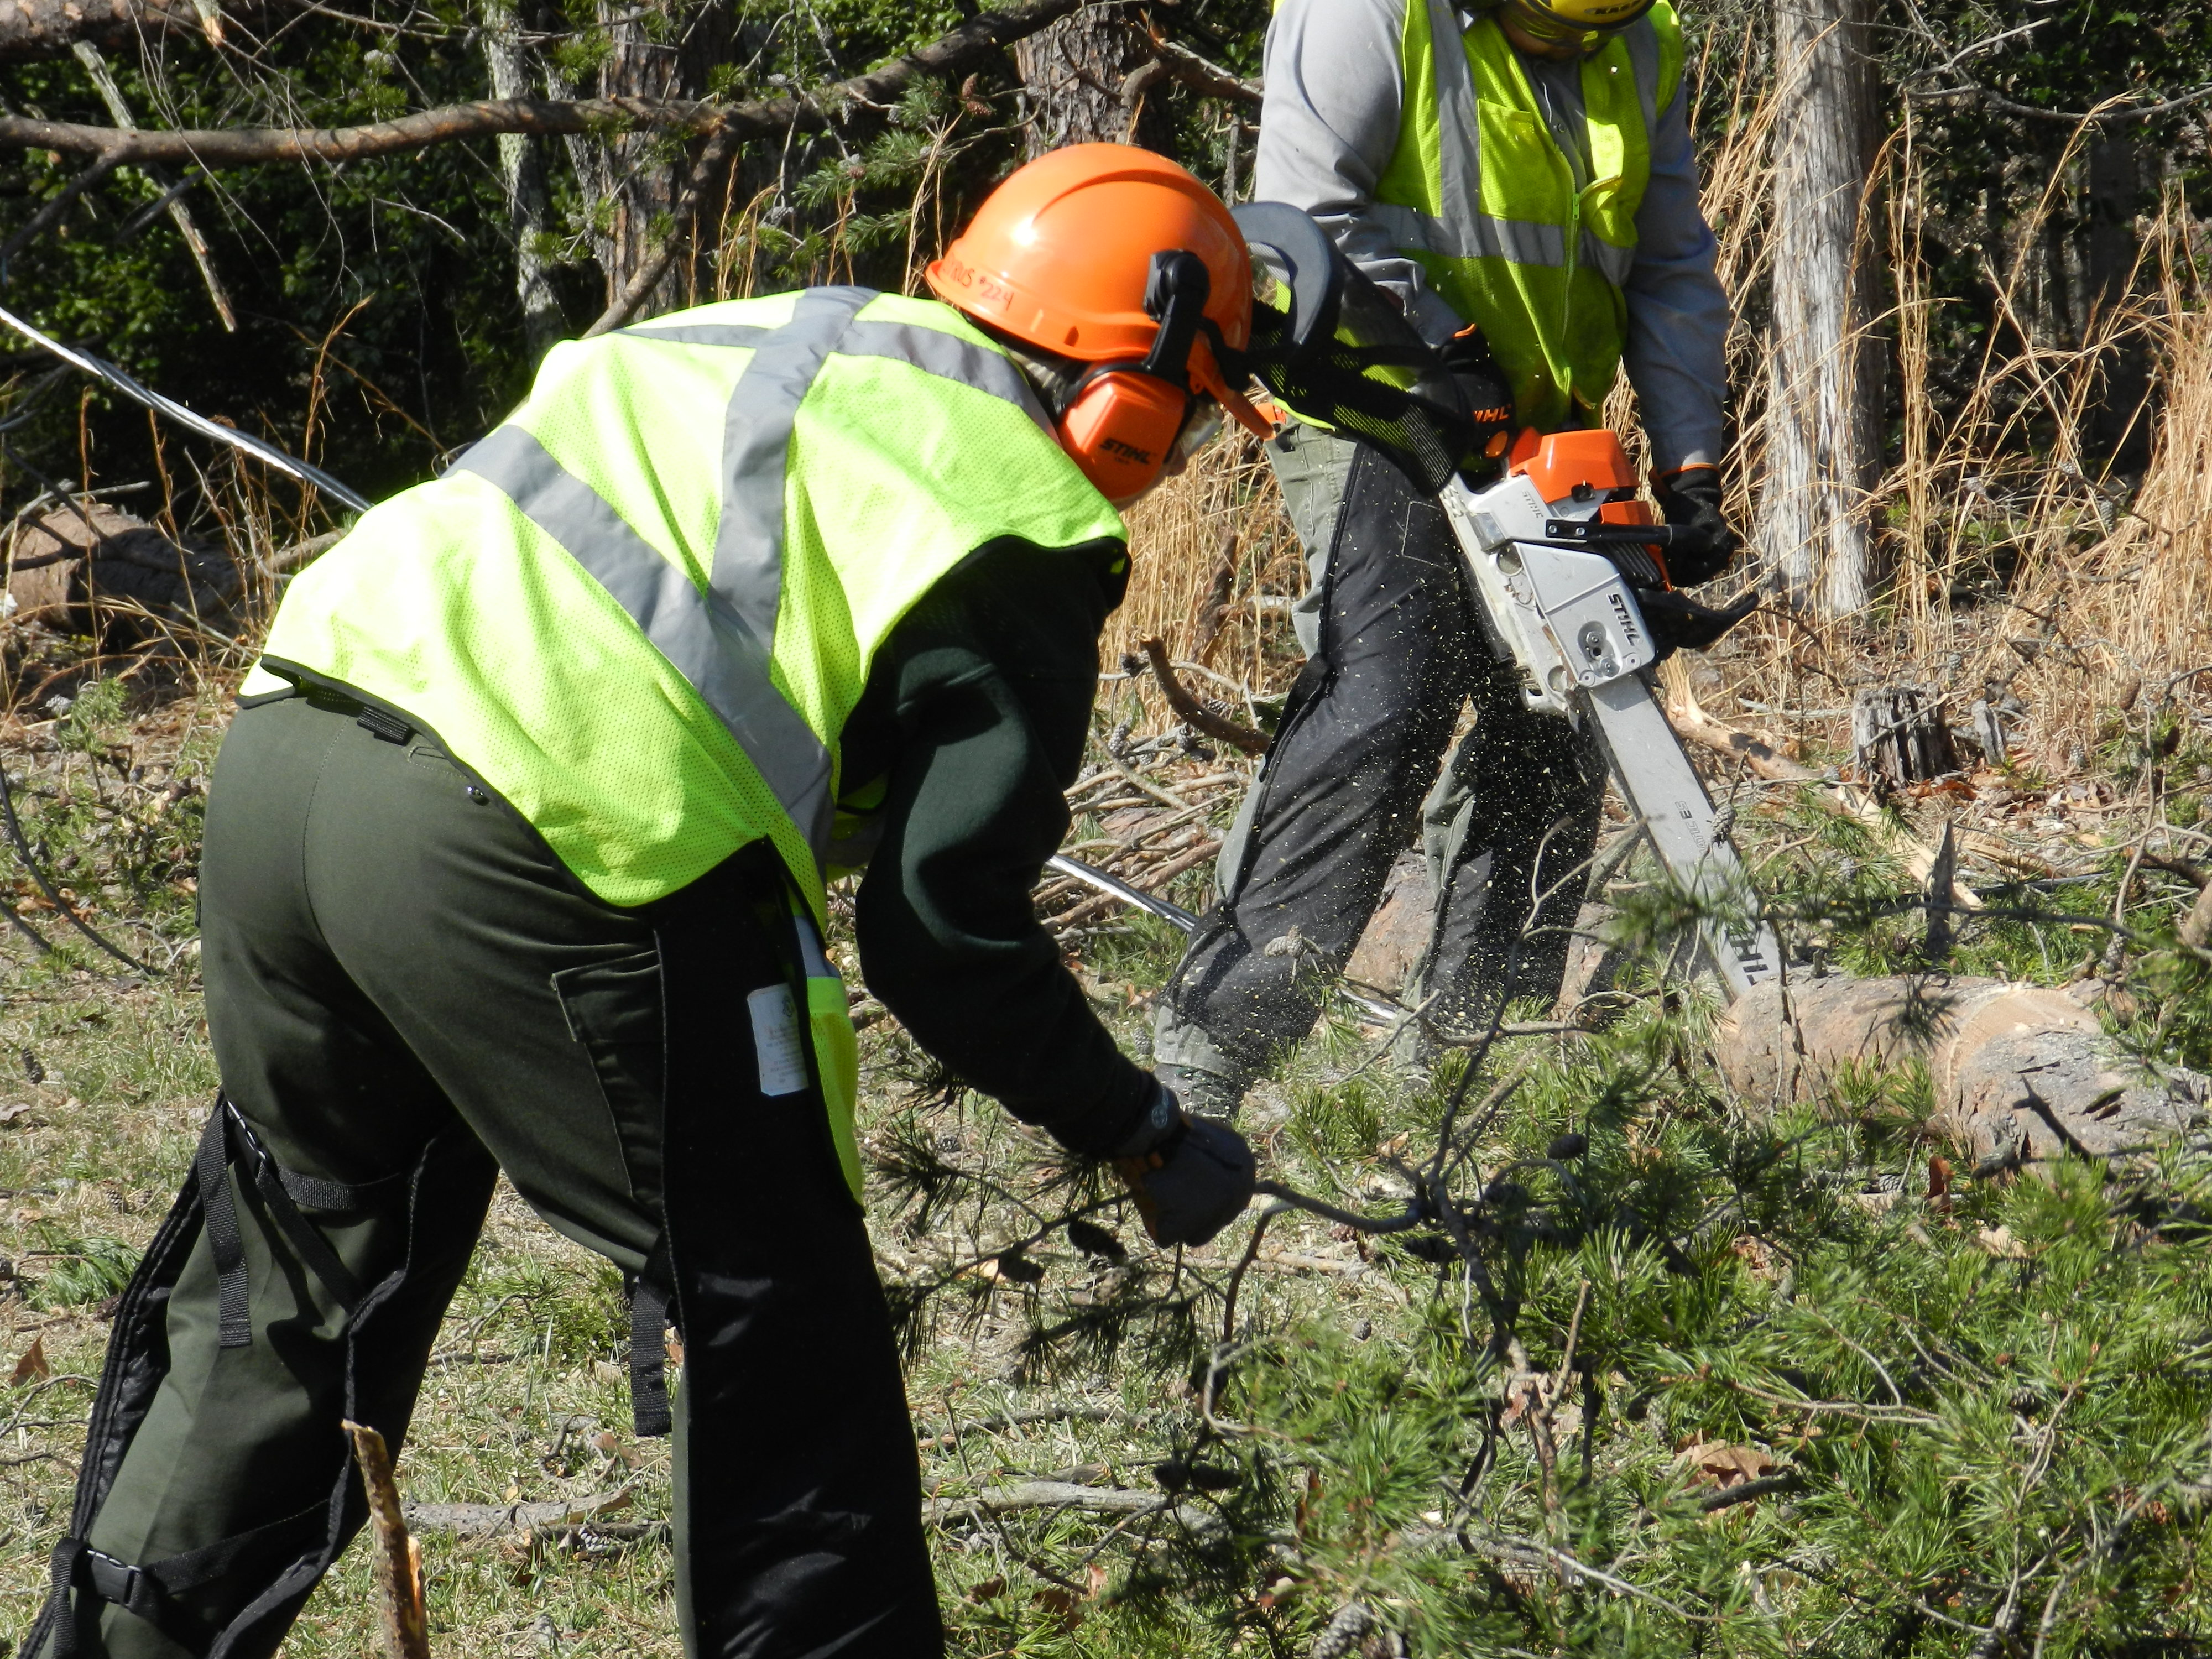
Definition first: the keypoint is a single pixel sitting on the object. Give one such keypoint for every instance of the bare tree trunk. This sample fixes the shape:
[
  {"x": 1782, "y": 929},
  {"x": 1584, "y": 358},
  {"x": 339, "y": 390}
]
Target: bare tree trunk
[
  {"x": 659, "y": 49},
  {"x": 1823, "y": 421},
  {"x": 522, "y": 174},
  {"x": 1091, "y": 79},
  {"x": 2122, "y": 427},
  {"x": 642, "y": 61}
]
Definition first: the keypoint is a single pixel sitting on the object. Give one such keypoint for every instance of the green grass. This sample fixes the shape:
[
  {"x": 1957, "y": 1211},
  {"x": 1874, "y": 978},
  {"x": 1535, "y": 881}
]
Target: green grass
[{"x": 1985, "y": 1403}]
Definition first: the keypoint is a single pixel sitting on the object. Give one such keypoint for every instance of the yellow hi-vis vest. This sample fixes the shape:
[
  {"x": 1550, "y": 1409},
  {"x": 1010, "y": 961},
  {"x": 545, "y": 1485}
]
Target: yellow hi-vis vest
[
  {"x": 1514, "y": 232},
  {"x": 642, "y": 608}
]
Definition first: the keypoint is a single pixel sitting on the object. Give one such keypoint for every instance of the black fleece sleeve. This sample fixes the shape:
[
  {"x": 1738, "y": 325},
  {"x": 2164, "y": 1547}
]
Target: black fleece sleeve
[{"x": 977, "y": 708}]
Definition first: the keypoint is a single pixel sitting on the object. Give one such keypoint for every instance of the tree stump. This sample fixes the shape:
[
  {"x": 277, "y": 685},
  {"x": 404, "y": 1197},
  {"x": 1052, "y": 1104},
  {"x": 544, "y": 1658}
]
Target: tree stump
[{"x": 1900, "y": 735}]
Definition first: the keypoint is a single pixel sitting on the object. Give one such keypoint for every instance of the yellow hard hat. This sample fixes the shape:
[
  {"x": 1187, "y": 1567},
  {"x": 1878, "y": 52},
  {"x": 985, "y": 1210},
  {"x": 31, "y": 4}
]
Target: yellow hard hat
[{"x": 1587, "y": 24}]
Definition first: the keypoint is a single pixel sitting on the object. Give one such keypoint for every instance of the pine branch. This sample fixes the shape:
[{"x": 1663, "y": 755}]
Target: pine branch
[{"x": 964, "y": 48}]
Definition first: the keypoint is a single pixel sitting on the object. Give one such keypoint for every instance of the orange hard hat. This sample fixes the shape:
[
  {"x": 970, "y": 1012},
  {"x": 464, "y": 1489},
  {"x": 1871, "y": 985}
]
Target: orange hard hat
[
  {"x": 1119, "y": 259},
  {"x": 1059, "y": 254}
]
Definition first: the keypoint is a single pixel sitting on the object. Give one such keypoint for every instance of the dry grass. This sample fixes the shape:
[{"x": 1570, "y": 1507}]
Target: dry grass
[{"x": 1991, "y": 513}]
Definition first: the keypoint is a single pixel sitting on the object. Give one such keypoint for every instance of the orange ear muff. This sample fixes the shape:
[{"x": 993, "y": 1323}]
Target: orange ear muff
[{"x": 1121, "y": 429}]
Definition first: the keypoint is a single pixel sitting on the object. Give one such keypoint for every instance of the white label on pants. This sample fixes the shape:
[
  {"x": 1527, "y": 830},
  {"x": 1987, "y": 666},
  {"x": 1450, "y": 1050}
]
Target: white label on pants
[{"x": 776, "y": 1040}]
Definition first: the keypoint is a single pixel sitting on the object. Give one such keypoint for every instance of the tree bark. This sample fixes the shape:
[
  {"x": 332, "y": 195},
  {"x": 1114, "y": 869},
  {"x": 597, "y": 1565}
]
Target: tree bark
[
  {"x": 1090, "y": 79},
  {"x": 642, "y": 61},
  {"x": 522, "y": 175},
  {"x": 1824, "y": 417}
]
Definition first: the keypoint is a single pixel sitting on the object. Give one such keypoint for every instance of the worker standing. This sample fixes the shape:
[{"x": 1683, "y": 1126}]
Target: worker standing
[
  {"x": 515, "y": 862},
  {"x": 1521, "y": 179}
]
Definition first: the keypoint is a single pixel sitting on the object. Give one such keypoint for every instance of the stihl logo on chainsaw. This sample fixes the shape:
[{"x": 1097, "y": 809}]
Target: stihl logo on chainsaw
[
  {"x": 1126, "y": 452},
  {"x": 1626, "y": 618}
]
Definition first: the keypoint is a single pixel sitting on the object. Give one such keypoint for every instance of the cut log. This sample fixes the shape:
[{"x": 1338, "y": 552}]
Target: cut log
[
  {"x": 99, "y": 571},
  {"x": 2019, "y": 1072},
  {"x": 1397, "y": 935}
]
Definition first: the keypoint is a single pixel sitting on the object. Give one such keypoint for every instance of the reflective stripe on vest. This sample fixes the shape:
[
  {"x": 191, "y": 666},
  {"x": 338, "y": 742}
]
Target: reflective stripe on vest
[
  {"x": 1515, "y": 231},
  {"x": 642, "y": 608}
]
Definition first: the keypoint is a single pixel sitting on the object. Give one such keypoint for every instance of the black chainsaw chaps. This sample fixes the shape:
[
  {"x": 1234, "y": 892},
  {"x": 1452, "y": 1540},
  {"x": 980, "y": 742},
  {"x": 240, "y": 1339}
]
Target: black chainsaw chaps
[{"x": 236, "y": 1598}]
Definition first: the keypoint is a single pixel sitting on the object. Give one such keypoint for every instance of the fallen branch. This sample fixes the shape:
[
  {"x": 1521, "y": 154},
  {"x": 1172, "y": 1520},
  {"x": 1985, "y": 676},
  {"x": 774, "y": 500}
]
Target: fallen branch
[
  {"x": 1194, "y": 713},
  {"x": 473, "y": 1522},
  {"x": 1065, "y": 1495},
  {"x": 1000, "y": 1422},
  {"x": 961, "y": 49}
]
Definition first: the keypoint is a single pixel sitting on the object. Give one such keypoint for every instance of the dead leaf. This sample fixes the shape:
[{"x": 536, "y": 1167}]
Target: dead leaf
[
  {"x": 675, "y": 1351},
  {"x": 33, "y": 1366},
  {"x": 1714, "y": 1463},
  {"x": 1999, "y": 1242},
  {"x": 10, "y": 1114},
  {"x": 994, "y": 1585},
  {"x": 1939, "y": 1181},
  {"x": 1062, "y": 1604}
]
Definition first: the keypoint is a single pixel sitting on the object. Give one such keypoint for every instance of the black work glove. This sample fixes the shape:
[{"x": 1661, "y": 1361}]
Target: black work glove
[
  {"x": 1703, "y": 543},
  {"x": 1190, "y": 1176},
  {"x": 1482, "y": 383}
]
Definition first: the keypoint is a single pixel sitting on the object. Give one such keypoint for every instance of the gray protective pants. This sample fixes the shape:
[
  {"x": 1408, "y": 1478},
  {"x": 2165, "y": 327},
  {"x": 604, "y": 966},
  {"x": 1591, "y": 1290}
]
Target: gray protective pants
[
  {"x": 408, "y": 993},
  {"x": 1393, "y": 651}
]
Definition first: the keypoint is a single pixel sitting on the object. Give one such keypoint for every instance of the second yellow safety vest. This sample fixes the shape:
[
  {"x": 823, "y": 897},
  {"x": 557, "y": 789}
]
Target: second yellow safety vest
[{"x": 1517, "y": 234}]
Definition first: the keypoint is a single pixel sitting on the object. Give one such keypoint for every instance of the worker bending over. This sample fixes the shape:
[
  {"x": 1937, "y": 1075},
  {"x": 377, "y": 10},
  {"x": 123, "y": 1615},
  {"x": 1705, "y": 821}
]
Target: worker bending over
[
  {"x": 515, "y": 860},
  {"x": 1520, "y": 179}
]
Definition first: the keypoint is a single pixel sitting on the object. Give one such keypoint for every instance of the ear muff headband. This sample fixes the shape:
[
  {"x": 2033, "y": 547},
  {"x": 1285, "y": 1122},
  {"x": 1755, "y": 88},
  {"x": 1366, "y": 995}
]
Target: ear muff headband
[{"x": 1123, "y": 420}]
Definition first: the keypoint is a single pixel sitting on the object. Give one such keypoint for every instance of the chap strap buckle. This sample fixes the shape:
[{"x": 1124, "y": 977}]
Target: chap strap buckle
[{"x": 132, "y": 1588}]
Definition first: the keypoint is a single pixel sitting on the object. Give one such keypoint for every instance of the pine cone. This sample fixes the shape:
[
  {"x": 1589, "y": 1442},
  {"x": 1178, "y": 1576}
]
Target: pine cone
[{"x": 1352, "y": 1622}]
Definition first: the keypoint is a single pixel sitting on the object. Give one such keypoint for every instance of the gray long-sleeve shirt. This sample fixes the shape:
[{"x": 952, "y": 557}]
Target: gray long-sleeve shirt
[{"x": 1329, "y": 127}]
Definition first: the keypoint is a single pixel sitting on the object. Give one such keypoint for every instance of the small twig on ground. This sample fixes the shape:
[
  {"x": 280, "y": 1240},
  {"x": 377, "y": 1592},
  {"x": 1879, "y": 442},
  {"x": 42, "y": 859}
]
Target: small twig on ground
[{"x": 399, "y": 1558}]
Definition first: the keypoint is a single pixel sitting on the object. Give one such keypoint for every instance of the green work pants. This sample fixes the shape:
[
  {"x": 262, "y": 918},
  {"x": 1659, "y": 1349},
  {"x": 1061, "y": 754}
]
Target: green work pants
[{"x": 407, "y": 993}]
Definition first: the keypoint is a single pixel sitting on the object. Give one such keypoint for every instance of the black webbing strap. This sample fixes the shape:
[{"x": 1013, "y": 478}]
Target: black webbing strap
[
  {"x": 145, "y": 1592},
  {"x": 649, "y": 1409},
  {"x": 282, "y": 1192},
  {"x": 212, "y": 1171}
]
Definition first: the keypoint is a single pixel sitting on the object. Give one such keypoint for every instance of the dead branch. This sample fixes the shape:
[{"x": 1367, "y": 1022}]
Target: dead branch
[
  {"x": 473, "y": 1522},
  {"x": 1020, "y": 1417},
  {"x": 1066, "y": 1495},
  {"x": 399, "y": 1558},
  {"x": 1208, "y": 80},
  {"x": 961, "y": 49},
  {"x": 1196, "y": 715},
  {"x": 33, "y": 29}
]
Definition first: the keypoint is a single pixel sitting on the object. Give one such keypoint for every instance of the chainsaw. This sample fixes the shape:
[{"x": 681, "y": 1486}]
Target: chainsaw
[{"x": 1568, "y": 566}]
